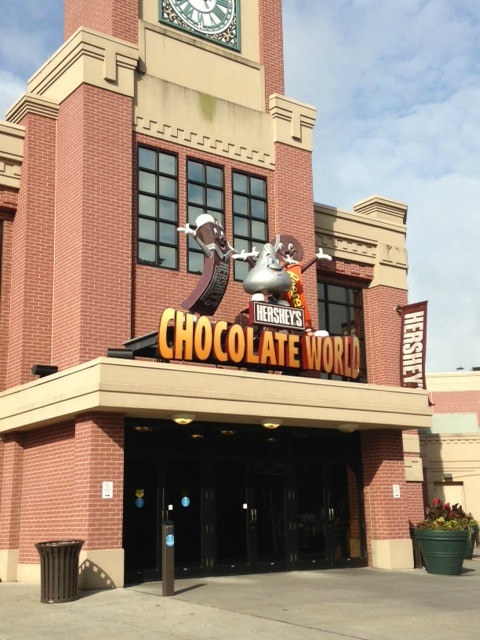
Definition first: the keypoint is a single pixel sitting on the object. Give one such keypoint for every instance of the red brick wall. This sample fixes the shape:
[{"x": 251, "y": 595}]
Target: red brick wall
[
  {"x": 6, "y": 220},
  {"x": 99, "y": 457},
  {"x": 8, "y": 200},
  {"x": 11, "y": 467},
  {"x": 293, "y": 210},
  {"x": 383, "y": 334},
  {"x": 117, "y": 18},
  {"x": 382, "y": 451},
  {"x": 93, "y": 233},
  {"x": 63, "y": 470},
  {"x": 349, "y": 274},
  {"x": 32, "y": 253},
  {"x": 387, "y": 517},
  {"x": 271, "y": 46},
  {"x": 49, "y": 485},
  {"x": 456, "y": 402}
]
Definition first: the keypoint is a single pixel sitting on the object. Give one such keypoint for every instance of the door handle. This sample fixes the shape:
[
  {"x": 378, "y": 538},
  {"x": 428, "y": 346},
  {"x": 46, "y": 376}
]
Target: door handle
[{"x": 253, "y": 515}]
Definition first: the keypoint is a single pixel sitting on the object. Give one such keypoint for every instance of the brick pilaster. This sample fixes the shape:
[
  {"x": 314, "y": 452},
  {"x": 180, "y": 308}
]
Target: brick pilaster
[
  {"x": 383, "y": 334},
  {"x": 32, "y": 251},
  {"x": 271, "y": 45},
  {"x": 93, "y": 232},
  {"x": 99, "y": 456},
  {"x": 11, "y": 468},
  {"x": 386, "y": 517},
  {"x": 117, "y": 18}
]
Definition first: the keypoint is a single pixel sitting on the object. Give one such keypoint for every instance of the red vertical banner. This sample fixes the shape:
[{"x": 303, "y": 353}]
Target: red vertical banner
[{"x": 414, "y": 345}]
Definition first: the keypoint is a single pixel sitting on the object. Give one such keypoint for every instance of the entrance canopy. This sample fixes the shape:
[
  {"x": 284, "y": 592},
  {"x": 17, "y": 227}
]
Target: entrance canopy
[{"x": 157, "y": 390}]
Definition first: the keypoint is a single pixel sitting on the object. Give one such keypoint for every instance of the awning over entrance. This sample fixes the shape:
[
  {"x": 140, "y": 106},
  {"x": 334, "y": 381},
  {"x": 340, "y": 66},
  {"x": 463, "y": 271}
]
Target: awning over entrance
[{"x": 157, "y": 390}]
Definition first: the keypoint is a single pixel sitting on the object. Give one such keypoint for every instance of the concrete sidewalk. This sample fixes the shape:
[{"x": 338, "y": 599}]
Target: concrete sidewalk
[{"x": 357, "y": 604}]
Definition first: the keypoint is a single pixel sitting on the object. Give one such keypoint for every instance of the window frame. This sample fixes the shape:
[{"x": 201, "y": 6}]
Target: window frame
[
  {"x": 248, "y": 217},
  {"x": 327, "y": 302},
  {"x": 194, "y": 207},
  {"x": 161, "y": 200}
]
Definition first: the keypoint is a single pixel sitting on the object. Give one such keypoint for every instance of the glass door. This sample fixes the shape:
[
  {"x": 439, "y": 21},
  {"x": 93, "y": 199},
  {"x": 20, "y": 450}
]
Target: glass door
[
  {"x": 344, "y": 523},
  {"x": 232, "y": 516},
  {"x": 142, "y": 521},
  {"x": 241, "y": 505},
  {"x": 328, "y": 515},
  {"x": 250, "y": 516},
  {"x": 267, "y": 516},
  {"x": 312, "y": 515},
  {"x": 181, "y": 498}
]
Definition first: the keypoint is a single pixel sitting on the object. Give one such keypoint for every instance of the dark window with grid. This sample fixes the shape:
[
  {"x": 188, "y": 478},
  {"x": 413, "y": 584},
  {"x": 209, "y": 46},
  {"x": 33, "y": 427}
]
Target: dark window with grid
[
  {"x": 250, "y": 228},
  {"x": 340, "y": 312},
  {"x": 205, "y": 195},
  {"x": 157, "y": 208}
]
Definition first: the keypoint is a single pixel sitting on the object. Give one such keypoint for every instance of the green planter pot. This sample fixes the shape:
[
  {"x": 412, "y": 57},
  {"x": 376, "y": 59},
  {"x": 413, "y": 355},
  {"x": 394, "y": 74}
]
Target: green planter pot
[
  {"x": 442, "y": 551},
  {"x": 471, "y": 542},
  {"x": 469, "y": 548}
]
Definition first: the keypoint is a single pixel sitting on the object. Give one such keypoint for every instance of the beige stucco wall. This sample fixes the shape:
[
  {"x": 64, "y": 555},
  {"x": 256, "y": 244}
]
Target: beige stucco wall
[
  {"x": 374, "y": 234},
  {"x": 451, "y": 458},
  {"x": 11, "y": 154},
  {"x": 458, "y": 456},
  {"x": 454, "y": 381}
]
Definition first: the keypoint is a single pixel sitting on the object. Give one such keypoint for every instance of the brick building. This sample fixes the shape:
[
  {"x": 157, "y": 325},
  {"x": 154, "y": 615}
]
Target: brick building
[
  {"x": 450, "y": 448},
  {"x": 143, "y": 120}
]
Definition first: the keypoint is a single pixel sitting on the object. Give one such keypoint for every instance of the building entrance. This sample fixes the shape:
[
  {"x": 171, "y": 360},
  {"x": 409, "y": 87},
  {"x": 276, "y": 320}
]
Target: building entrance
[{"x": 241, "y": 499}]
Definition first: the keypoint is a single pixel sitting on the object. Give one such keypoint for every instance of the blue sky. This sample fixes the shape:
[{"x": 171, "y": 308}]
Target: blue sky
[{"x": 396, "y": 84}]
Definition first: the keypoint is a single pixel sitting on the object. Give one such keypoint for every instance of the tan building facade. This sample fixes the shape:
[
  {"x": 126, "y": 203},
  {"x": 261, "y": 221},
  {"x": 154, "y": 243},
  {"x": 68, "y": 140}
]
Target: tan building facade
[{"x": 451, "y": 446}]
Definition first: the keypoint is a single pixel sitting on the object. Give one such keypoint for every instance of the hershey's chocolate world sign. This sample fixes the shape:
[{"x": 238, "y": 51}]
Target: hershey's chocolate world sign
[{"x": 190, "y": 338}]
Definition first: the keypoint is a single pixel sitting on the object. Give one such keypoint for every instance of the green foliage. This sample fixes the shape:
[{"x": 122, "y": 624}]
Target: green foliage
[{"x": 442, "y": 516}]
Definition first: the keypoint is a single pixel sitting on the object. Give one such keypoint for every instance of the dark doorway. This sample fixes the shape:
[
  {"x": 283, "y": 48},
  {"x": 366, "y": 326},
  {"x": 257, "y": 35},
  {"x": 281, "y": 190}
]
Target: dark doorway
[{"x": 241, "y": 499}]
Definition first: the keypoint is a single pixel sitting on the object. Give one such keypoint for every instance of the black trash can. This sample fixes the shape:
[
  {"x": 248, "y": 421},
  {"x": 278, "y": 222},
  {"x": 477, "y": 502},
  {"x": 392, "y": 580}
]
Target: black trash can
[{"x": 59, "y": 570}]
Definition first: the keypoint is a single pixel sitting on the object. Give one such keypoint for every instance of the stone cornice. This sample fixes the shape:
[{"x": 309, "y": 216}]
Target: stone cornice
[
  {"x": 374, "y": 234},
  {"x": 383, "y": 209},
  {"x": 202, "y": 142},
  {"x": 11, "y": 154},
  {"x": 292, "y": 121},
  {"x": 86, "y": 57},
  {"x": 30, "y": 103}
]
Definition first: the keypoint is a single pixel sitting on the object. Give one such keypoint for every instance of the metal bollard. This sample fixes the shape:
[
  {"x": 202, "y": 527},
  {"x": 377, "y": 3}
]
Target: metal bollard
[{"x": 168, "y": 559}]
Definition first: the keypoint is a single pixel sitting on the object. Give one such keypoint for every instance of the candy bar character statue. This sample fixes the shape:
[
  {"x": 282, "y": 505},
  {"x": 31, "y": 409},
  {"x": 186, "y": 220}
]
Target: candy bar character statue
[
  {"x": 290, "y": 252},
  {"x": 268, "y": 278},
  {"x": 209, "y": 292}
]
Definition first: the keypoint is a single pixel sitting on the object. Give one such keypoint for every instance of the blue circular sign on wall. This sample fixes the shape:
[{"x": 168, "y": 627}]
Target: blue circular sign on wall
[
  {"x": 139, "y": 502},
  {"x": 170, "y": 540},
  {"x": 185, "y": 501}
]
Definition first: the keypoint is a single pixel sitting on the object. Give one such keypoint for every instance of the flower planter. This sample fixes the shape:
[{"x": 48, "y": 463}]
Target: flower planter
[
  {"x": 471, "y": 542},
  {"x": 443, "y": 551}
]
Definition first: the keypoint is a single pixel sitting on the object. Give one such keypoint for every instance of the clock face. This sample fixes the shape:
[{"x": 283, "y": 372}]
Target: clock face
[{"x": 213, "y": 19}]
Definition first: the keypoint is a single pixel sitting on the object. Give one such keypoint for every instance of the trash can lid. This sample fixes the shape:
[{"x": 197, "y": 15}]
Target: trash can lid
[{"x": 59, "y": 543}]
